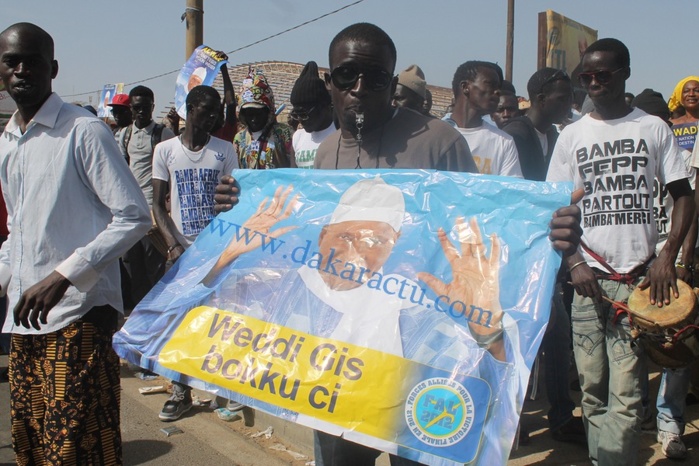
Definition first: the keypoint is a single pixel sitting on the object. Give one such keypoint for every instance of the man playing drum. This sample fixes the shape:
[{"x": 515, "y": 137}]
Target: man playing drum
[{"x": 615, "y": 153}]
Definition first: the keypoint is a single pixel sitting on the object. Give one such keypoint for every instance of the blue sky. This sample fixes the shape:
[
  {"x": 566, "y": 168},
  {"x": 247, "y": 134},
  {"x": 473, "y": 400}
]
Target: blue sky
[{"x": 99, "y": 42}]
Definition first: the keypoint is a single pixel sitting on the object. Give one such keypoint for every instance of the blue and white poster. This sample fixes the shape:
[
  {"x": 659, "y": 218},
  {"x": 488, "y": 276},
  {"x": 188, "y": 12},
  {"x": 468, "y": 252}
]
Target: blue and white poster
[
  {"x": 401, "y": 309},
  {"x": 106, "y": 96},
  {"x": 201, "y": 69}
]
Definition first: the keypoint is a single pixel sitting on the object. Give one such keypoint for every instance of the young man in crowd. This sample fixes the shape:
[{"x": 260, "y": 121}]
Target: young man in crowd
[
  {"x": 121, "y": 111},
  {"x": 144, "y": 264},
  {"x": 373, "y": 134},
  {"x": 264, "y": 143},
  {"x": 313, "y": 109},
  {"x": 178, "y": 164},
  {"x": 618, "y": 244},
  {"x": 411, "y": 89},
  {"x": 476, "y": 87},
  {"x": 551, "y": 95},
  {"x": 508, "y": 106},
  {"x": 534, "y": 134},
  {"x": 74, "y": 208},
  {"x": 674, "y": 383}
]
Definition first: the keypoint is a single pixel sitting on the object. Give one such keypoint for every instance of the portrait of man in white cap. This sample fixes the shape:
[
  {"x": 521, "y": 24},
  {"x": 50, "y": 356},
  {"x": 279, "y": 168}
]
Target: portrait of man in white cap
[{"x": 343, "y": 287}]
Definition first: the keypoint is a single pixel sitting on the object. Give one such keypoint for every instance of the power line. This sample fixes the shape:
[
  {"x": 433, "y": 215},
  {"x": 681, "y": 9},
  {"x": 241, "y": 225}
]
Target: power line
[{"x": 236, "y": 50}]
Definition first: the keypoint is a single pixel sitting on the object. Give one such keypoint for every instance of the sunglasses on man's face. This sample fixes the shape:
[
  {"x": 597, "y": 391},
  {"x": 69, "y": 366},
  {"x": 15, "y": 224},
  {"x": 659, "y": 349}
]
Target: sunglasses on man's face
[
  {"x": 602, "y": 77},
  {"x": 301, "y": 115},
  {"x": 345, "y": 77}
]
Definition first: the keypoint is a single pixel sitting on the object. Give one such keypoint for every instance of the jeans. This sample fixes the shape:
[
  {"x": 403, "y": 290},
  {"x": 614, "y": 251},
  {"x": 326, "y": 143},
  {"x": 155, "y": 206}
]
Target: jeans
[
  {"x": 609, "y": 370},
  {"x": 556, "y": 346},
  {"x": 671, "y": 400},
  {"x": 330, "y": 450}
]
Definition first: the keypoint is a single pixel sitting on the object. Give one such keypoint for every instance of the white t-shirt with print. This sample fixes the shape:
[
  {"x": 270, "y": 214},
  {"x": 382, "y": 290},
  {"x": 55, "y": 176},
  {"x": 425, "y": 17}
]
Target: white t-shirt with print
[
  {"x": 663, "y": 203},
  {"x": 616, "y": 162},
  {"x": 192, "y": 177},
  {"x": 493, "y": 150},
  {"x": 306, "y": 145}
]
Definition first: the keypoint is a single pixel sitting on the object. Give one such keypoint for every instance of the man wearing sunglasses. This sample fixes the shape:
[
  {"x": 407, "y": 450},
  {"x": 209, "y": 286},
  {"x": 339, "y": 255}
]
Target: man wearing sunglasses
[
  {"x": 373, "y": 134},
  {"x": 611, "y": 144},
  {"x": 476, "y": 87},
  {"x": 551, "y": 96},
  {"x": 313, "y": 109}
]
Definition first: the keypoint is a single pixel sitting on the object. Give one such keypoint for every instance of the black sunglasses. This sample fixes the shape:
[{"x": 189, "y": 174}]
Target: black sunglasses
[
  {"x": 345, "y": 77},
  {"x": 602, "y": 77},
  {"x": 557, "y": 76},
  {"x": 303, "y": 115}
]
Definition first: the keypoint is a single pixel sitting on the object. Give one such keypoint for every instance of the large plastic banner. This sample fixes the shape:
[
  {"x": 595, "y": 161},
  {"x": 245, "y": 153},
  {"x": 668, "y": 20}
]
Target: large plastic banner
[
  {"x": 201, "y": 69},
  {"x": 400, "y": 309}
]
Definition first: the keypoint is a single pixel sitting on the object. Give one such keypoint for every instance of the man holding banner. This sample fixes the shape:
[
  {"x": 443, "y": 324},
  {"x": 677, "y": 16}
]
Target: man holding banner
[{"x": 374, "y": 135}]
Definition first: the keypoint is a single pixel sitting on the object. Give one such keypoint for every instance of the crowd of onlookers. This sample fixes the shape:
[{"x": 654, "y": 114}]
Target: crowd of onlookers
[{"x": 92, "y": 221}]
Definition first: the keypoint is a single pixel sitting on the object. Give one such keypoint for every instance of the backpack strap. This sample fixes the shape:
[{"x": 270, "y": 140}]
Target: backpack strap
[
  {"x": 155, "y": 138},
  {"x": 157, "y": 135}
]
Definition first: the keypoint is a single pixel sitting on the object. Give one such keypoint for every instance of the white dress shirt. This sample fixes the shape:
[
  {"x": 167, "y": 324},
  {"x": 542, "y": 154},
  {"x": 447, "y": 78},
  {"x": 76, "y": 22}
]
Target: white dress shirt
[{"x": 73, "y": 206}]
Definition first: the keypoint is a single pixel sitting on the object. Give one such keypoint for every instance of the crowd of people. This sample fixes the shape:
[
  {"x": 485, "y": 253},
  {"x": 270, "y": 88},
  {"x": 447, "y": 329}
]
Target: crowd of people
[{"x": 116, "y": 209}]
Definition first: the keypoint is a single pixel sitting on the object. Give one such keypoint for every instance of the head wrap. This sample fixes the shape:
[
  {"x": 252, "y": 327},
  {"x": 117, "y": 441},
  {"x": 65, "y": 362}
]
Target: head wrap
[
  {"x": 414, "y": 79},
  {"x": 676, "y": 97},
  {"x": 309, "y": 89},
  {"x": 256, "y": 92},
  {"x": 373, "y": 200}
]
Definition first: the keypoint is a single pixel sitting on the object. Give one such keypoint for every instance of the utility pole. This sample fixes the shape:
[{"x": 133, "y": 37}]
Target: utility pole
[
  {"x": 510, "y": 42},
  {"x": 194, "y": 19}
]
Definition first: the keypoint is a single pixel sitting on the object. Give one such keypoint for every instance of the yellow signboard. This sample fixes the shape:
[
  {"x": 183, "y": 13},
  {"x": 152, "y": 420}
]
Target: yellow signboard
[{"x": 562, "y": 42}]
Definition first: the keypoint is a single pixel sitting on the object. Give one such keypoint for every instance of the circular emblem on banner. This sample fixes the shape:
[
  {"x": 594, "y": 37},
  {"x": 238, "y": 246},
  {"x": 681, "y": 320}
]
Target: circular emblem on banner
[{"x": 439, "y": 412}]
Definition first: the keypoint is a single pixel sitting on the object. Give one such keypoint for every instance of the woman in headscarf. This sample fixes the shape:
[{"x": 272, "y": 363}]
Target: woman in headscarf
[{"x": 685, "y": 96}]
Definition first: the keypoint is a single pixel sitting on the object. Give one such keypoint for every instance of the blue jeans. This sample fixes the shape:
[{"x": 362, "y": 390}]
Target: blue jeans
[
  {"x": 671, "y": 400},
  {"x": 556, "y": 345},
  {"x": 609, "y": 370}
]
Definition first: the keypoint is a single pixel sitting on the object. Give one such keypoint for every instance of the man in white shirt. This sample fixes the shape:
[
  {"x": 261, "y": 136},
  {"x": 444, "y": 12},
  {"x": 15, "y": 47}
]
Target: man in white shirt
[
  {"x": 144, "y": 264},
  {"x": 610, "y": 144},
  {"x": 74, "y": 208},
  {"x": 312, "y": 108},
  {"x": 476, "y": 87},
  {"x": 191, "y": 165}
]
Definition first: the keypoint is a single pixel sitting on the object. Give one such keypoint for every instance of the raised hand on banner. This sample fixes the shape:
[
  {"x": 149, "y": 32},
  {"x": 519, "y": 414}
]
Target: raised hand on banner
[
  {"x": 474, "y": 292},
  {"x": 258, "y": 228}
]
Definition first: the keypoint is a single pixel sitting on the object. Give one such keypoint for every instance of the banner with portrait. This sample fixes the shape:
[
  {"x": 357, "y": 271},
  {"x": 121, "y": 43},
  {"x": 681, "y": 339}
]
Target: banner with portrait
[
  {"x": 401, "y": 309},
  {"x": 201, "y": 69},
  {"x": 106, "y": 96}
]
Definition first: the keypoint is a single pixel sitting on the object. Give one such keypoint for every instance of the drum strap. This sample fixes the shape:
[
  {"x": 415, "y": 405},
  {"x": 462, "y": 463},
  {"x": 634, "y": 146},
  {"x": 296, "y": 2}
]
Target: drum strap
[{"x": 627, "y": 278}]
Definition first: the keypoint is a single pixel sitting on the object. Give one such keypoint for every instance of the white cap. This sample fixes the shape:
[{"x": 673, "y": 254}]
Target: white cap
[
  {"x": 200, "y": 72},
  {"x": 372, "y": 200}
]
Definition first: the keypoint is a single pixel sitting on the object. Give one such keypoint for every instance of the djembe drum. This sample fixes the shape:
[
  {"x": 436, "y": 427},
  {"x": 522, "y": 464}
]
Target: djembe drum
[{"x": 667, "y": 334}]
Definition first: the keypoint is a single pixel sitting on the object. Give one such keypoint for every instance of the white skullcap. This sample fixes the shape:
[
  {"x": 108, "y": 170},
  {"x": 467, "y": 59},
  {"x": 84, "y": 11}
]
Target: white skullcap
[
  {"x": 373, "y": 200},
  {"x": 200, "y": 72}
]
